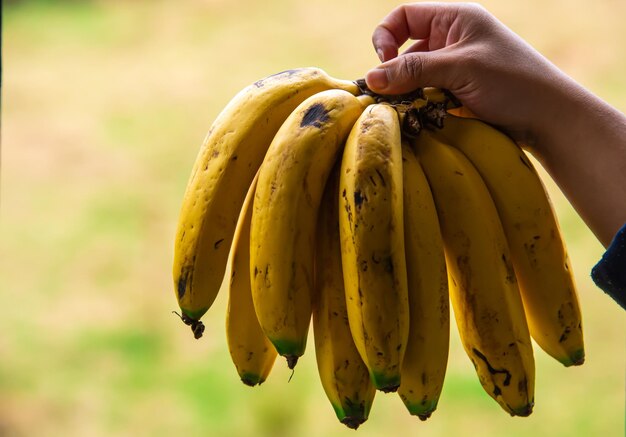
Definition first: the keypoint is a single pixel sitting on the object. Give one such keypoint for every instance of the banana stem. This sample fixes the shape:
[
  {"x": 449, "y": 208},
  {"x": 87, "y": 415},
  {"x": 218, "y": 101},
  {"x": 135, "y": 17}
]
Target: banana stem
[
  {"x": 400, "y": 99},
  {"x": 419, "y": 109},
  {"x": 437, "y": 95}
]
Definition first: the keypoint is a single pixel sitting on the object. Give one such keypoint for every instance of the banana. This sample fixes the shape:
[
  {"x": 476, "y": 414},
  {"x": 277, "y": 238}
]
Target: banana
[
  {"x": 462, "y": 111},
  {"x": 483, "y": 288},
  {"x": 344, "y": 376},
  {"x": 537, "y": 250},
  {"x": 282, "y": 234},
  {"x": 224, "y": 168},
  {"x": 372, "y": 243},
  {"x": 426, "y": 356},
  {"x": 252, "y": 353}
]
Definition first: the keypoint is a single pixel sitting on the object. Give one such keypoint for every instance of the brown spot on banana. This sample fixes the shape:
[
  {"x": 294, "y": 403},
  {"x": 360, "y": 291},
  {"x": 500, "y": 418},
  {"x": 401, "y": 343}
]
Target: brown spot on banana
[
  {"x": 358, "y": 200},
  {"x": 316, "y": 115},
  {"x": 510, "y": 272},
  {"x": 382, "y": 178},
  {"x": 462, "y": 262},
  {"x": 388, "y": 264},
  {"x": 493, "y": 370},
  {"x": 266, "y": 280},
  {"x": 530, "y": 253},
  {"x": 564, "y": 335},
  {"x": 186, "y": 276},
  {"x": 525, "y": 161}
]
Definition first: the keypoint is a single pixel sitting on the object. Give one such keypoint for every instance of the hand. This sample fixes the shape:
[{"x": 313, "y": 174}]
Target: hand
[
  {"x": 577, "y": 137},
  {"x": 465, "y": 49}
]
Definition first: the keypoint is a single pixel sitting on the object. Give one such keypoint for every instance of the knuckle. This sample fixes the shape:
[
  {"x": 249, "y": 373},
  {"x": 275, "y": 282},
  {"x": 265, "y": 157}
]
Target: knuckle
[
  {"x": 478, "y": 13},
  {"x": 411, "y": 66},
  {"x": 474, "y": 8}
]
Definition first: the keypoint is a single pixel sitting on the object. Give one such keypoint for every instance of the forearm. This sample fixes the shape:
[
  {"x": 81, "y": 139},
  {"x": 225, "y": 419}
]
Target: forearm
[{"x": 583, "y": 147}]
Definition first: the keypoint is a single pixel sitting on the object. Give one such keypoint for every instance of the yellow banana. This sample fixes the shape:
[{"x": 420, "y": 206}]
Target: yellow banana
[
  {"x": 372, "y": 243},
  {"x": 282, "y": 234},
  {"x": 344, "y": 376},
  {"x": 221, "y": 175},
  {"x": 426, "y": 356},
  {"x": 461, "y": 111},
  {"x": 537, "y": 248},
  {"x": 252, "y": 353},
  {"x": 483, "y": 288}
]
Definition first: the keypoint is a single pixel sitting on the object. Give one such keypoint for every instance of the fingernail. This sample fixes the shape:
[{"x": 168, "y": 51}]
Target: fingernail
[
  {"x": 381, "y": 55},
  {"x": 377, "y": 79}
]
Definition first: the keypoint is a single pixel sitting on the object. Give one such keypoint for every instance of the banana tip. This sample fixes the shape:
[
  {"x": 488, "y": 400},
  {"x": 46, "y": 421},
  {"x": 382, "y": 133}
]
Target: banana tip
[
  {"x": 524, "y": 411},
  {"x": 197, "y": 327},
  {"x": 576, "y": 359},
  {"x": 251, "y": 378},
  {"x": 292, "y": 360},
  {"x": 353, "y": 422},
  {"x": 425, "y": 416},
  {"x": 387, "y": 382},
  {"x": 389, "y": 388}
]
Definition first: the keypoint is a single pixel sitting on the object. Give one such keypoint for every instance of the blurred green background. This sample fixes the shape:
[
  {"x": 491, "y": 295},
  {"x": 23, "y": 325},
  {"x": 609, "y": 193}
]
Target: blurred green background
[{"x": 105, "y": 104}]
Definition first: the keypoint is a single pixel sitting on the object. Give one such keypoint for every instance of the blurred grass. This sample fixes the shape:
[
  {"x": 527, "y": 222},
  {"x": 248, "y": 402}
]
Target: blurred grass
[{"x": 105, "y": 106}]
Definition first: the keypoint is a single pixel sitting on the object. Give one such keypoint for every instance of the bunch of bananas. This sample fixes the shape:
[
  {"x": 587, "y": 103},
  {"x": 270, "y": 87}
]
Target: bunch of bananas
[{"x": 368, "y": 214}]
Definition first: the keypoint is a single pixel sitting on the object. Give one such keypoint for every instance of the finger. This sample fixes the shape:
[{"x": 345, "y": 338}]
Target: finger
[
  {"x": 385, "y": 43},
  {"x": 414, "y": 21},
  {"x": 414, "y": 70}
]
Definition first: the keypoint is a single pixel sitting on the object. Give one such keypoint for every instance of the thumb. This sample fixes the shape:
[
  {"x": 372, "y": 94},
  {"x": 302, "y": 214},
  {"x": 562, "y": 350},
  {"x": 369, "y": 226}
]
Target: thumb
[{"x": 410, "y": 71}]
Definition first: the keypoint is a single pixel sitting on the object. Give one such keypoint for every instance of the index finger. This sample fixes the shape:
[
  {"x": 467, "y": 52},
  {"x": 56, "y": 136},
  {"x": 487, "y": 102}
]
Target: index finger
[{"x": 414, "y": 21}]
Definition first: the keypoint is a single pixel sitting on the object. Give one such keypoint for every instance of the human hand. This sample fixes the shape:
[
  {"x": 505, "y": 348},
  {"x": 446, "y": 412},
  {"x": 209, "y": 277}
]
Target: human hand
[
  {"x": 462, "y": 47},
  {"x": 577, "y": 137}
]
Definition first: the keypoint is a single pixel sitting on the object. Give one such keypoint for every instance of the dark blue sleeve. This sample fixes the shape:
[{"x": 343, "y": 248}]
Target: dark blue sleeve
[{"x": 610, "y": 272}]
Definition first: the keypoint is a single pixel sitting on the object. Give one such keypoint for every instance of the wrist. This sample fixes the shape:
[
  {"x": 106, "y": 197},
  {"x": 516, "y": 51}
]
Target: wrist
[
  {"x": 560, "y": 111},
  {"x": 581, "y": 145}
]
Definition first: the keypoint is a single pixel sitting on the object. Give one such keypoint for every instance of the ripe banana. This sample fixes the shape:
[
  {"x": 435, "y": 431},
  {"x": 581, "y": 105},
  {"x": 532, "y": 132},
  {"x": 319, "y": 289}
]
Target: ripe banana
[
  {"x": 344, "y": 376},
  {"x": 252, "y": 353},
  {"x": 288, "y": 194},
  {"x": 483, "y": 288},
  {"x": 537, "y": 250},
  {"x": 221, "y": 175},
  {"x": 372, "y": 243},
  {"x": 426, "y": 356},
  {"x": 462, "y": 111}
]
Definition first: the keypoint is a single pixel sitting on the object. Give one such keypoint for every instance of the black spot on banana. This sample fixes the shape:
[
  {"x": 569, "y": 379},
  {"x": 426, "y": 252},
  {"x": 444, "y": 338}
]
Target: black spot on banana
[
  {"x": 185, "y": 276},
  {"x": 493, "y": 370},
  {"x": 316, "y": 116},
  {"x": 358, "y": 199}
]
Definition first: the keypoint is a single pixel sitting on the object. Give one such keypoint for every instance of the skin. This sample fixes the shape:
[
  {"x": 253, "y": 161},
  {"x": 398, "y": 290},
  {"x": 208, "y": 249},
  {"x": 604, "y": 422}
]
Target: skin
[{"x": 579, "y": 138}]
